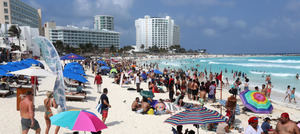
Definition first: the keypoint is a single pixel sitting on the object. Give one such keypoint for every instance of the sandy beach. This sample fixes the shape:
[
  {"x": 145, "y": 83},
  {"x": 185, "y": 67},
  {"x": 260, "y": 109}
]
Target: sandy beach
[{"x": 120, "y": 117}]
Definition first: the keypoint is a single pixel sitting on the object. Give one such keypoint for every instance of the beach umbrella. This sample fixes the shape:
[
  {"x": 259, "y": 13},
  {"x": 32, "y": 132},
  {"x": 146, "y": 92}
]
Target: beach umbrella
[
  {"x": 5, "y": 73},
  {"x": 105, "y": 68},
  {"x": 102, "y": 62},
  {"x": 72, "y": 56},
  {"x": 78, "y": 120},
  {"x": 256, "y": 102},
  {"x": 147, "y": 94},
  {"x": 157, "y": 71},
  {"x": 196, "y": 115},
  {"x": 75, "y": 76},
  {"x": 33, "y": 71}
]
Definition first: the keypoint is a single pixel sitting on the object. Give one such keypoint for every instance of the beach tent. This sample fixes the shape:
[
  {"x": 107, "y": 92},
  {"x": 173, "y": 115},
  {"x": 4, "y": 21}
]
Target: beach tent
[{"x": 72, "y": 56}]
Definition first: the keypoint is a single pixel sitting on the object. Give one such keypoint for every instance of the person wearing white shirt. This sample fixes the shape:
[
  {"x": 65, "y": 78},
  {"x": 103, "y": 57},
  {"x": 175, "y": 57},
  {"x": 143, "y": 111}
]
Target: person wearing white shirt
[{"x": 253, "y": 127}]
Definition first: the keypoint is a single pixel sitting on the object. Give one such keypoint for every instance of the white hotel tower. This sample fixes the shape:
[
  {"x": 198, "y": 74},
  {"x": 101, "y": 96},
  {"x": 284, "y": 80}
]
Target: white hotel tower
[{"x": 153, "y": 31}]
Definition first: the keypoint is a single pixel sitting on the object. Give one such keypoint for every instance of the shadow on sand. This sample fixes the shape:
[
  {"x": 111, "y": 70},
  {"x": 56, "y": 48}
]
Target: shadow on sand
[{"x": 114, "y": 123}]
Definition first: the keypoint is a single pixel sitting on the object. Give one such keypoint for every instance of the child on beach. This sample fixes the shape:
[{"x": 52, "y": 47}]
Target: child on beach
[
  {"x": 288, "y": 93},
  {"x": 293, "y": 95}
]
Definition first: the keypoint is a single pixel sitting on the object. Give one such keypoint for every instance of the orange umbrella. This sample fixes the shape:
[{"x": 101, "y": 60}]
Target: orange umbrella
[{"x": 133, "y": 65}]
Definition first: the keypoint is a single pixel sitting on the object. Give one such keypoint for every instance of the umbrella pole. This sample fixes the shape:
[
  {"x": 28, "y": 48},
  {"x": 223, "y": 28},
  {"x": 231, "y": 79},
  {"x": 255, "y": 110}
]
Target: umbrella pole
[{"x": 221, "y": 96}]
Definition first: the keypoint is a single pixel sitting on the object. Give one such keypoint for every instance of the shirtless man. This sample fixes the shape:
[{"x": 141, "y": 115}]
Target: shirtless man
[
  {"x": 145, "y": 106},
  {"x": 286, "y": 126},
  {"x": 190, "y": 86},
  {"x": 27, "y": 114},
  {"x": 135, "y": 105},
  {"x": 183, "y": 85}
]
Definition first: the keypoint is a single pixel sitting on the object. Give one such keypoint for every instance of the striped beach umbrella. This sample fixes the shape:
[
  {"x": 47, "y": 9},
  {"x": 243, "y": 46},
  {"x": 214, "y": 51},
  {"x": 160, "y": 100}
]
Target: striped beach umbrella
[
  {"x": 256, "y": 102},
  {"x": 196, "y": 116}
]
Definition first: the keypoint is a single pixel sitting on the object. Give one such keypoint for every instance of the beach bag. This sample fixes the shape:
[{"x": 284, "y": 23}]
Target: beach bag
[
  {"x": 98, "y": 108},
  {"x": 150, "y": 111}
]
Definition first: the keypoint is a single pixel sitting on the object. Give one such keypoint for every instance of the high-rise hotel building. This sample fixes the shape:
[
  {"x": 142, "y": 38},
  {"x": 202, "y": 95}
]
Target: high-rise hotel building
[
  {"x": 104, "y": 22},
  {"x": 17, "y": 12},
  {"x": 154, "y": 31}
]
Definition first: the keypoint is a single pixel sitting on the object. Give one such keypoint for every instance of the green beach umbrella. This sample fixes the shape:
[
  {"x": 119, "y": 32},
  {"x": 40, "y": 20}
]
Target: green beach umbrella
[
  {"x": 113, "y": 70},
  {"x": 147, "y": 94}
]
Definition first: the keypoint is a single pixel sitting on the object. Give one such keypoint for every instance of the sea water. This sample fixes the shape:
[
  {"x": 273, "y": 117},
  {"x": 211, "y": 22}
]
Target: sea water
[{"x": 282, "y": 69}]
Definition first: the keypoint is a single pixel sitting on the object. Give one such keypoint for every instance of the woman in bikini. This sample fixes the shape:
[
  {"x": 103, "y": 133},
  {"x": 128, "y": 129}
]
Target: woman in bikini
[{"x": 48, "y": 103}]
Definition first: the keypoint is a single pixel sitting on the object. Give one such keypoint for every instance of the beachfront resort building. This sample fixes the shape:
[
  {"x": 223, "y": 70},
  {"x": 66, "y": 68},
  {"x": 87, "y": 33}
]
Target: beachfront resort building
[
  {"x": 75, "y": 36},
  {"x": 104, "y": 22},
  {"x": 155, "y": 31},
  {"x": 17, "y": 12}
]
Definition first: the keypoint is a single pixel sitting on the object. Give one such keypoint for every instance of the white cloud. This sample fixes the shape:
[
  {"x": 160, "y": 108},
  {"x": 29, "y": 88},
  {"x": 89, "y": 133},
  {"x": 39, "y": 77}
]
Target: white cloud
[
  {"x": 240, "y": 24},
  {"x": 293, "y": 5},
  {"x": 199, "y": 2},
  {"x": 209, "y": 32},
  {"x": 260, "y": 32},
  {"x": 107, "y": 7},
  {"x": 220, "y": 21}
]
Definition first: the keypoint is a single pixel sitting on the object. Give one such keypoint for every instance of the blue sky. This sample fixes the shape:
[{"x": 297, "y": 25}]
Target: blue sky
[{"x": 220, "y": 26}]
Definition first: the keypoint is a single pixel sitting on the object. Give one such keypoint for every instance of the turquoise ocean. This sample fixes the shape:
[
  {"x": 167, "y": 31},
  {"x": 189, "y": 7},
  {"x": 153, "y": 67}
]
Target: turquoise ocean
[{"x": 283, "y": 69}]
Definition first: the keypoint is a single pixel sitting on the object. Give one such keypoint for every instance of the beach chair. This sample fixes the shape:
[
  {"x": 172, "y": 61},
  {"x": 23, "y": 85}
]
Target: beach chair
[
  {"x": 5, "y": 93},
  {"x": 69, "y": 83},
  {"x": 75, "y": 97}
]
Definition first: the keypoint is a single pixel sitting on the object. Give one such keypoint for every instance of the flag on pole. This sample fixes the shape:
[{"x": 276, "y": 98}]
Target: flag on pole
[{"x": 219, "y": 77}]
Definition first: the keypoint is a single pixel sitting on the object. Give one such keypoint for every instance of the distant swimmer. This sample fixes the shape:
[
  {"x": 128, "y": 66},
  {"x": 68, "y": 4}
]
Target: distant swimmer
[{"x": 297, "y": 76}]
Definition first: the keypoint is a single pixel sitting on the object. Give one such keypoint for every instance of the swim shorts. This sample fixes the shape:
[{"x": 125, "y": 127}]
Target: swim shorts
[
  {"x": 104, "y": 113},
  {"x": 26, "y": 123}
]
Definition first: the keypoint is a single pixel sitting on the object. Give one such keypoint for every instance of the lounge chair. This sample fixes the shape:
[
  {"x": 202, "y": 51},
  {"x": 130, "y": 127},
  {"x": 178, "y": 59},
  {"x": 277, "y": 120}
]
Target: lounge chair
[
  {"x": 75, "y": 97},
  {"x": 70, "y": 83},
  {"x": 4, "y": 93}
]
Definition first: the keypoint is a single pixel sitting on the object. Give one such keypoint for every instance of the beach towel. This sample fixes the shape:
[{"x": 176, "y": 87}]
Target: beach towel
[
  {"x": 98, "y": 108},
  {"x": 171, "y": 107}
]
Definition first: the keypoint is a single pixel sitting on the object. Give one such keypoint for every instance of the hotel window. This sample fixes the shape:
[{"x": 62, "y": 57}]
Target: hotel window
[
  {"x": 6, "y": 17},
  {"x": 5, "y": 10},
  {"x": 5, "y": 4}
]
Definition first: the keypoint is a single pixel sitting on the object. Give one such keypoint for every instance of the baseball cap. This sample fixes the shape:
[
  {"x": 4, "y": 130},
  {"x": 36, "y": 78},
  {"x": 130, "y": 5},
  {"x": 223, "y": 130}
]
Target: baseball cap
[
  {"x": 253, "y": 120},
  {"x": 285, "y": 115}
]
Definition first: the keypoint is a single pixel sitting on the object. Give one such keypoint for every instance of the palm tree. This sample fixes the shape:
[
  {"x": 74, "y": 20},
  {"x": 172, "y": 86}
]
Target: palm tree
[
  {"x": 15, "y": 31},
  {"x": 142, "y": 46}
]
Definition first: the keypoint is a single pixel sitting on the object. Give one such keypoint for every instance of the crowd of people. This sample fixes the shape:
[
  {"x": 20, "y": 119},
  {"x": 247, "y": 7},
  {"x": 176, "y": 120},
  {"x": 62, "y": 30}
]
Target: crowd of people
[{"x": 200, "y": 87}]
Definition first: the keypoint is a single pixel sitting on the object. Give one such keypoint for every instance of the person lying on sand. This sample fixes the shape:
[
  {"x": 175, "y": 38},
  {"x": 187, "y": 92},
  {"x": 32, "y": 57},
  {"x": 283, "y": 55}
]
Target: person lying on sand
[{"x": 160, "y": 108}]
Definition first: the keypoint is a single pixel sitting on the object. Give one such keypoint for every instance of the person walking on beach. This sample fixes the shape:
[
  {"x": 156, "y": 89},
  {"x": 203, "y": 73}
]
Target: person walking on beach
[
  {"x": 293, "y": 95},
  {"x": 98, "y": 81},
  {"x": 105, "y": 105},
  {"x": 286, "y": 126},
  {"x": 288, "y": 93},
  {"x": 27, "y": 115},
  {"x": 269, "y": 88},
  {"x": 48, "y": 103},
  {"x": 137, "y": 81}
]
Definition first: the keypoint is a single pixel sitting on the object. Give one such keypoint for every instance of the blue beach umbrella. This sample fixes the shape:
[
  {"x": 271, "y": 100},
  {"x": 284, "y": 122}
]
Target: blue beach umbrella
[
  {"x": 5, "y": 73},
  {"x": 157, "y": 71},
  {"x": 105, "y": 68},
  {"x": 102, "y": 62},
  {"x": 72, "y": 56},
  {"x": 74, "y": 76}
]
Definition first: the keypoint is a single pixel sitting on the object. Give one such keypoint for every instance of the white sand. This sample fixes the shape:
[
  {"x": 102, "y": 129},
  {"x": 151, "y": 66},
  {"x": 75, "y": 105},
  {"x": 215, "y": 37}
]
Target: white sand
[{"x": 120, "y": 117}]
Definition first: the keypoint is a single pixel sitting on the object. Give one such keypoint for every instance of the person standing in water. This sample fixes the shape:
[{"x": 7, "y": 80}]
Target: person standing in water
[
  {"x": 293, "y": 95},
  {"x": 288, "y": 93}
]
